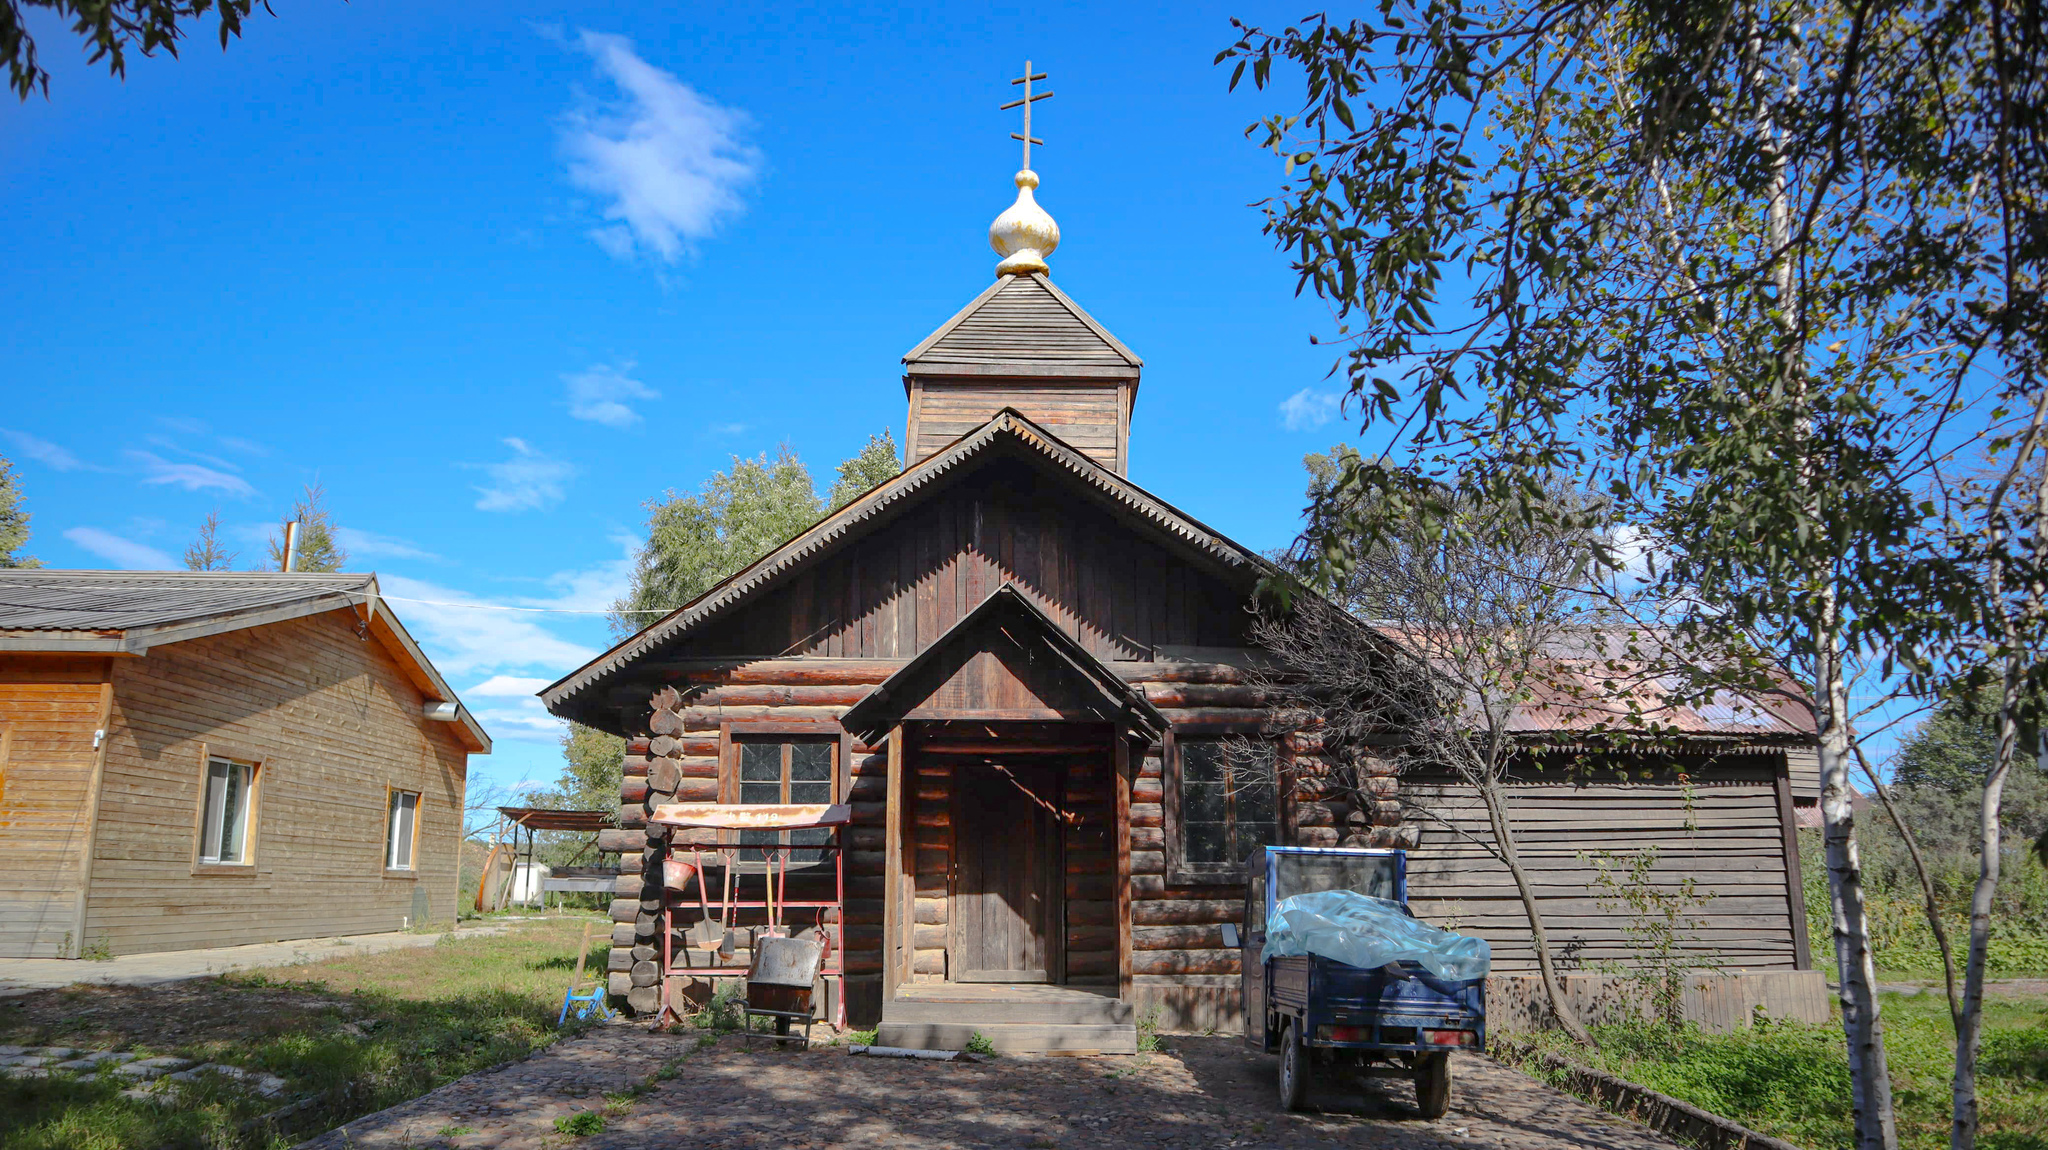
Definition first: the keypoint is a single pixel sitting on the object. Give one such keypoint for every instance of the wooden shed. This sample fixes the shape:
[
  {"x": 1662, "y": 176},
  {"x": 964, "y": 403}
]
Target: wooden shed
[
  {"x": 197, "y": 759},
  {"x": 1022, "y": 667}
]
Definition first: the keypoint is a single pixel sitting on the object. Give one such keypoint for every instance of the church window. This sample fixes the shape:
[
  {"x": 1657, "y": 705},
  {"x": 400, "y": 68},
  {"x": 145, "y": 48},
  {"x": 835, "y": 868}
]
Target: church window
[
  {"x": 782, "y": 768},
  {"x": 1222, "y": 802}
]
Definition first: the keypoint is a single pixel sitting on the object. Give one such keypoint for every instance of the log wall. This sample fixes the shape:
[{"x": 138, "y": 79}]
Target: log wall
[{"x": 334, "y": 722}]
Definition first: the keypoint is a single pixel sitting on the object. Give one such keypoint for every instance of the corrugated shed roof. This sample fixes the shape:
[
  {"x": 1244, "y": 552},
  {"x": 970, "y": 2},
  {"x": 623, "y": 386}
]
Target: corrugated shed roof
[{"x": 40, "y": 599}]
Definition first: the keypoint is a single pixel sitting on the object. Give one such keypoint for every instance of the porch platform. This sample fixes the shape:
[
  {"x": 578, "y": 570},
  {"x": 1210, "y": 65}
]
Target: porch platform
[{"x": 1015, "y": 1018}]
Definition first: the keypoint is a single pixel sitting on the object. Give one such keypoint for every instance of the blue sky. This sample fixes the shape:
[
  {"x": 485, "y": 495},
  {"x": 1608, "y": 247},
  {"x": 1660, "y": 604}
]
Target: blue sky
[{"x": 496, "y": 274}]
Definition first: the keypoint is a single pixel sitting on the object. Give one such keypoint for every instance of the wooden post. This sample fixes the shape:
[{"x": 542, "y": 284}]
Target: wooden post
[
  {"x": 1795, "y": 895},
  {"x": 104, "y": 724},
  {"x": 894, "y": 926},
  {"x": 1124, "y": 978}
]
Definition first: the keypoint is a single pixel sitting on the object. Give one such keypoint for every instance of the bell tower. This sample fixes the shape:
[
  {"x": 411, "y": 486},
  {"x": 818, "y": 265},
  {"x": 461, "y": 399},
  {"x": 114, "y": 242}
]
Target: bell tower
[{"x": 1023, "y": 344}]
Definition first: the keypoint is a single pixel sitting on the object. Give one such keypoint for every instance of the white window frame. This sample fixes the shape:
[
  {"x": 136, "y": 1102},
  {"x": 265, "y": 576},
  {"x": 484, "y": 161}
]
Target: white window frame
[
  {"x": 395, "y": 811},
  {"x": 214, "y": 812}
]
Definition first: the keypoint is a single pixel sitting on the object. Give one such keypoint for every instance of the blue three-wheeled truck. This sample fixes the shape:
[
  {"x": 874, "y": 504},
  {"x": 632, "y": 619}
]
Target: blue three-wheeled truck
[{"x": 1323, "y": 1016}]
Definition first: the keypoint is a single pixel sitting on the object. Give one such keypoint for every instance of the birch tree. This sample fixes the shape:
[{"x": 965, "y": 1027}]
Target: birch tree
[{"x": 1755, "y": 271}]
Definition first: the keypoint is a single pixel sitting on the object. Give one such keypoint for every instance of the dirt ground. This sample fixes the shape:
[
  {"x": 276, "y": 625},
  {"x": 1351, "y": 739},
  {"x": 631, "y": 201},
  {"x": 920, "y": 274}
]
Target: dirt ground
[{"x": 1202, "y": 1092}]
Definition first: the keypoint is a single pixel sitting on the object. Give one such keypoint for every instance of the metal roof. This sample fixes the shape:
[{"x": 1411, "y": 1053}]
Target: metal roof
[
  {"x": 41, "y": 599},
  {"x": 52, "y": 611}
]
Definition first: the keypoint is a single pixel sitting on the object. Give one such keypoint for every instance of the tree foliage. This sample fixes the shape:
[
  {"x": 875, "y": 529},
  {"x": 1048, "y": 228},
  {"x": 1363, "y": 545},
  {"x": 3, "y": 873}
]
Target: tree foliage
[
  {"x": 877, "y": 462},
  {"x": 317, "y": 550},
  {"x": 109, "y": 28},
  {"x": 207, "y": 553},
  {"x": 1756, "y": 272},
  {"x": 737, "y": 516},
  {"x": 13, "y": 520}
]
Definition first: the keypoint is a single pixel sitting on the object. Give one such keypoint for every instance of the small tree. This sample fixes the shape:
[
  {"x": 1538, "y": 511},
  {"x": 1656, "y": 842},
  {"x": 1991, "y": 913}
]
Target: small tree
[
  {"x": 877, "y": 462},
  {"x": 13, "y": 521},
  {"x": 206, "y": 552},
  {"x": 1427, "y": 651},
  {"x": 317, "y": 549}
]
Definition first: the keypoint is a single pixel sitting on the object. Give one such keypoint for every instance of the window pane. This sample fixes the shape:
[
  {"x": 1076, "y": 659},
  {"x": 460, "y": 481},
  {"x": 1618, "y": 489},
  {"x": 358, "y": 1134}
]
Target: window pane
[
  {"x": 761, "y": 792},
  {"x": 216, "y": 794},
  {"x": 761, "y": 762},
  {"x": 754, "y": 853},
  {"x": 810, "y": 762},
  {"x": 234, "y": 812},
  {"x": 408, "y": 813},
  {"x": 1206, "y": 843},
  {"x": 811, "y": 837},
  {"x": 1253, "y": 792}
]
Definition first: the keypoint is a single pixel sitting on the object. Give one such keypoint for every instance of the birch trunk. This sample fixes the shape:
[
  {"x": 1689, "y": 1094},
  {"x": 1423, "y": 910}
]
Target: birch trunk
[
  {"x": 1503, "y": 836},
  {"x": 1870, "y": 1084},
  {"x": 1970, "y": 1029}
]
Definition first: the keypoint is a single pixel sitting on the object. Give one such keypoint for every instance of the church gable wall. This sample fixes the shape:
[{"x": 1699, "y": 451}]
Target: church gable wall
[{"x": 895, "y": 591}]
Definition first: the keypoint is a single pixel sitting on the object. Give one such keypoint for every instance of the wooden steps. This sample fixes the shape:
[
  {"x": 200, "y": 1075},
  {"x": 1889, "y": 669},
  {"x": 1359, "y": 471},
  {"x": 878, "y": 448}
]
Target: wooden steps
[{"x": 1014, "y": 1019}]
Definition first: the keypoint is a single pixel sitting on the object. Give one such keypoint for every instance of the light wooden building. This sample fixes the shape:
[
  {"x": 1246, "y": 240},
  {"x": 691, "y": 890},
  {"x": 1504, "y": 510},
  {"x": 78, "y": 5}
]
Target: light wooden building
[
  {"x": 1020, "y": 668},
  {"x": 196, "y": 759}
]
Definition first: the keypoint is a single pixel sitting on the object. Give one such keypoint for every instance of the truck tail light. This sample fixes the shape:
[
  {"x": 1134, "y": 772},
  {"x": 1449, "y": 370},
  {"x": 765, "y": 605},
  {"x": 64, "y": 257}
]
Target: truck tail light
[
  {"x": 1451, "y": 1037},
  {"x": 1347, "y": 1034}
]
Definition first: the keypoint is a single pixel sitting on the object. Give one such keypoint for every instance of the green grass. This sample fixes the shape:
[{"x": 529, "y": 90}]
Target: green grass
[
  {"x": 357, "y": 1034},
  {"x": 1792, "y": 1081},
  {"x": 581, "y": 1125}
]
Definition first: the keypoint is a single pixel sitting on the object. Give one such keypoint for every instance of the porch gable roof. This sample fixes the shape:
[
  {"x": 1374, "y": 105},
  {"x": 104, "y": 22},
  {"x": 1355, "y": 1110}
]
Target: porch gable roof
[{"x": 1024, "y": 630}]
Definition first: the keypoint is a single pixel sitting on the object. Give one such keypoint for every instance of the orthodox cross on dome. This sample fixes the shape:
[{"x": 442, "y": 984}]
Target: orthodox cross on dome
[{"x": 1025, "y": 104}]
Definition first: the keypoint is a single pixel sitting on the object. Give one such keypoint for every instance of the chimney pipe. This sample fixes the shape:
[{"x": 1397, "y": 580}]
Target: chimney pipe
[{"x": 291, "y": 546}]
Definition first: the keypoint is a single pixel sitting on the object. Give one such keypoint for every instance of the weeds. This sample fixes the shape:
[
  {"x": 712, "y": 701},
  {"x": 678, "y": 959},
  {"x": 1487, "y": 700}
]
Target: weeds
[
  {"x": 454, "y": 1131},
  {"x": 978, "y": 1043},
  {"x": 1148, "y": 1031},
  {"x": 860, "y": 1037},
  {"x": 102, "y": 950},
  {"x": 581, "y": 1125},
  {"x": 1788, "y": 1079}
]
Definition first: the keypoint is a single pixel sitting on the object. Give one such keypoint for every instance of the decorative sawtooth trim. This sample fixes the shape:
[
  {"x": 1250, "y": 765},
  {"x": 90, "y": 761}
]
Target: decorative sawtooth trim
[{"x": 836, "y": 527}]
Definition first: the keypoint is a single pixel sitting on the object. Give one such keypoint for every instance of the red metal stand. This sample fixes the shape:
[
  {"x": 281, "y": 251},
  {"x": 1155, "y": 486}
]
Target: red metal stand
[{"x": 726, "y": 821}]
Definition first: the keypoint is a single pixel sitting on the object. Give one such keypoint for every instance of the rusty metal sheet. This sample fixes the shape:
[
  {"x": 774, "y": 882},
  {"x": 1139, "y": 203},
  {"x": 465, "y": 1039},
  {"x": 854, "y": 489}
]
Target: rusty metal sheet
[{"x": 752, "y": 817}]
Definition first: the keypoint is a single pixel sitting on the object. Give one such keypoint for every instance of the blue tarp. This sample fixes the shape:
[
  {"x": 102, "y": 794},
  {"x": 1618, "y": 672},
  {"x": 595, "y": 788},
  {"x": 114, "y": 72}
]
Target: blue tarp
[{"x": 1363, "y": 931}]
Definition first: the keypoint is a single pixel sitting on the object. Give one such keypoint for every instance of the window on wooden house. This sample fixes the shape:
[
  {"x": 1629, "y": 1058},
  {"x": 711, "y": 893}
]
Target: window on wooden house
[
  {"x": 401, "y": 830},
  {"x": 224, "y": 812},
  {"x": 1227, "y": 804},
  {"x": 782, "y": 768}
]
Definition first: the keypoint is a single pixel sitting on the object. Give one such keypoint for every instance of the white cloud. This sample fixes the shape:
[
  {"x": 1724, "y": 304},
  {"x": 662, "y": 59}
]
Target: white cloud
[
  {"x": 209, "y": 460},
  {"x": 190, "y": 476},
  {"x": 528, "y": 481},
  {"x": 126, "y": 554},
  {"x": 184, "y": 423},
  {"x": 247, "y": 446},
  {"x": 42, "y": 450},
  {"x": 1308, "y": 409},
  {"x": 508, "y": 687},
  {"x": 597, "y": 393},
  {"x": 667, "y": 161},
  {"x": 369, "y": 544}
]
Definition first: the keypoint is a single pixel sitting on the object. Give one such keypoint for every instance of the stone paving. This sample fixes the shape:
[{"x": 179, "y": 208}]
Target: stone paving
[
  {"x": 1205, "y": 1092},
  {"x": 40, "y": 1061}
]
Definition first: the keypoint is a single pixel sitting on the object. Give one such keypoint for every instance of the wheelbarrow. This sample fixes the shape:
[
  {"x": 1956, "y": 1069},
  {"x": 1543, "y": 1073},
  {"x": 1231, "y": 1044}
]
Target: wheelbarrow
[{"x": 780, "y": 983}]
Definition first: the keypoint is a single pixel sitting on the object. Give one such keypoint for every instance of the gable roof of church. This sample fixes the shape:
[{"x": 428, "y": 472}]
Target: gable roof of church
[
  {"x": 1027, "y": 629},
  {"x": 1006, "y": 431},
  {"x": 1021, "y": 320}
]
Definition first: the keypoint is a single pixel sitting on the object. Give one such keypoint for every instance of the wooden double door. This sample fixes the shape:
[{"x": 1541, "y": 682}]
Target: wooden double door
[{"x": 1007, "y": 916}]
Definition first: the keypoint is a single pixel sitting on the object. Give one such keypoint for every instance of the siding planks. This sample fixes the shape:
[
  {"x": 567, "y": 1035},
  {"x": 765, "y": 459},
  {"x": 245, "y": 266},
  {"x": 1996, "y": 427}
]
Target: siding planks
[
  {"x": 334, "y": 722},
  {"x": 49, "y": 708}
]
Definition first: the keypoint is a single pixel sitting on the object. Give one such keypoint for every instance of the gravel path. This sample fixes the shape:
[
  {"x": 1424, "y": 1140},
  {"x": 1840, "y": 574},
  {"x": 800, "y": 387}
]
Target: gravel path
[{"x": 1207, "y": 1092}]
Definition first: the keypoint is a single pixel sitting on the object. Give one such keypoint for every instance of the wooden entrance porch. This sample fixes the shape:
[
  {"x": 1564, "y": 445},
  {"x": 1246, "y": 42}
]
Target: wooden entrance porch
[{"x": 1006, "y": 837}]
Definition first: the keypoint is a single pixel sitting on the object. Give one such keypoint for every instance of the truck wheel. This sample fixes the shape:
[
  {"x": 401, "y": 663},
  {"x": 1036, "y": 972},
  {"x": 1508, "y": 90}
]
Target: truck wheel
[
  {"x": 1433, "y": 1084},
  {"x": 1294, "y": 1067}
]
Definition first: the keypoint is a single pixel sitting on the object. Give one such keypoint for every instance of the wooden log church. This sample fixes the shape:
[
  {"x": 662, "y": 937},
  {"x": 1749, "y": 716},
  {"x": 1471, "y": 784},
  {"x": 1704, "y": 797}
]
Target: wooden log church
[{"x": 1019, "y": 669}]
